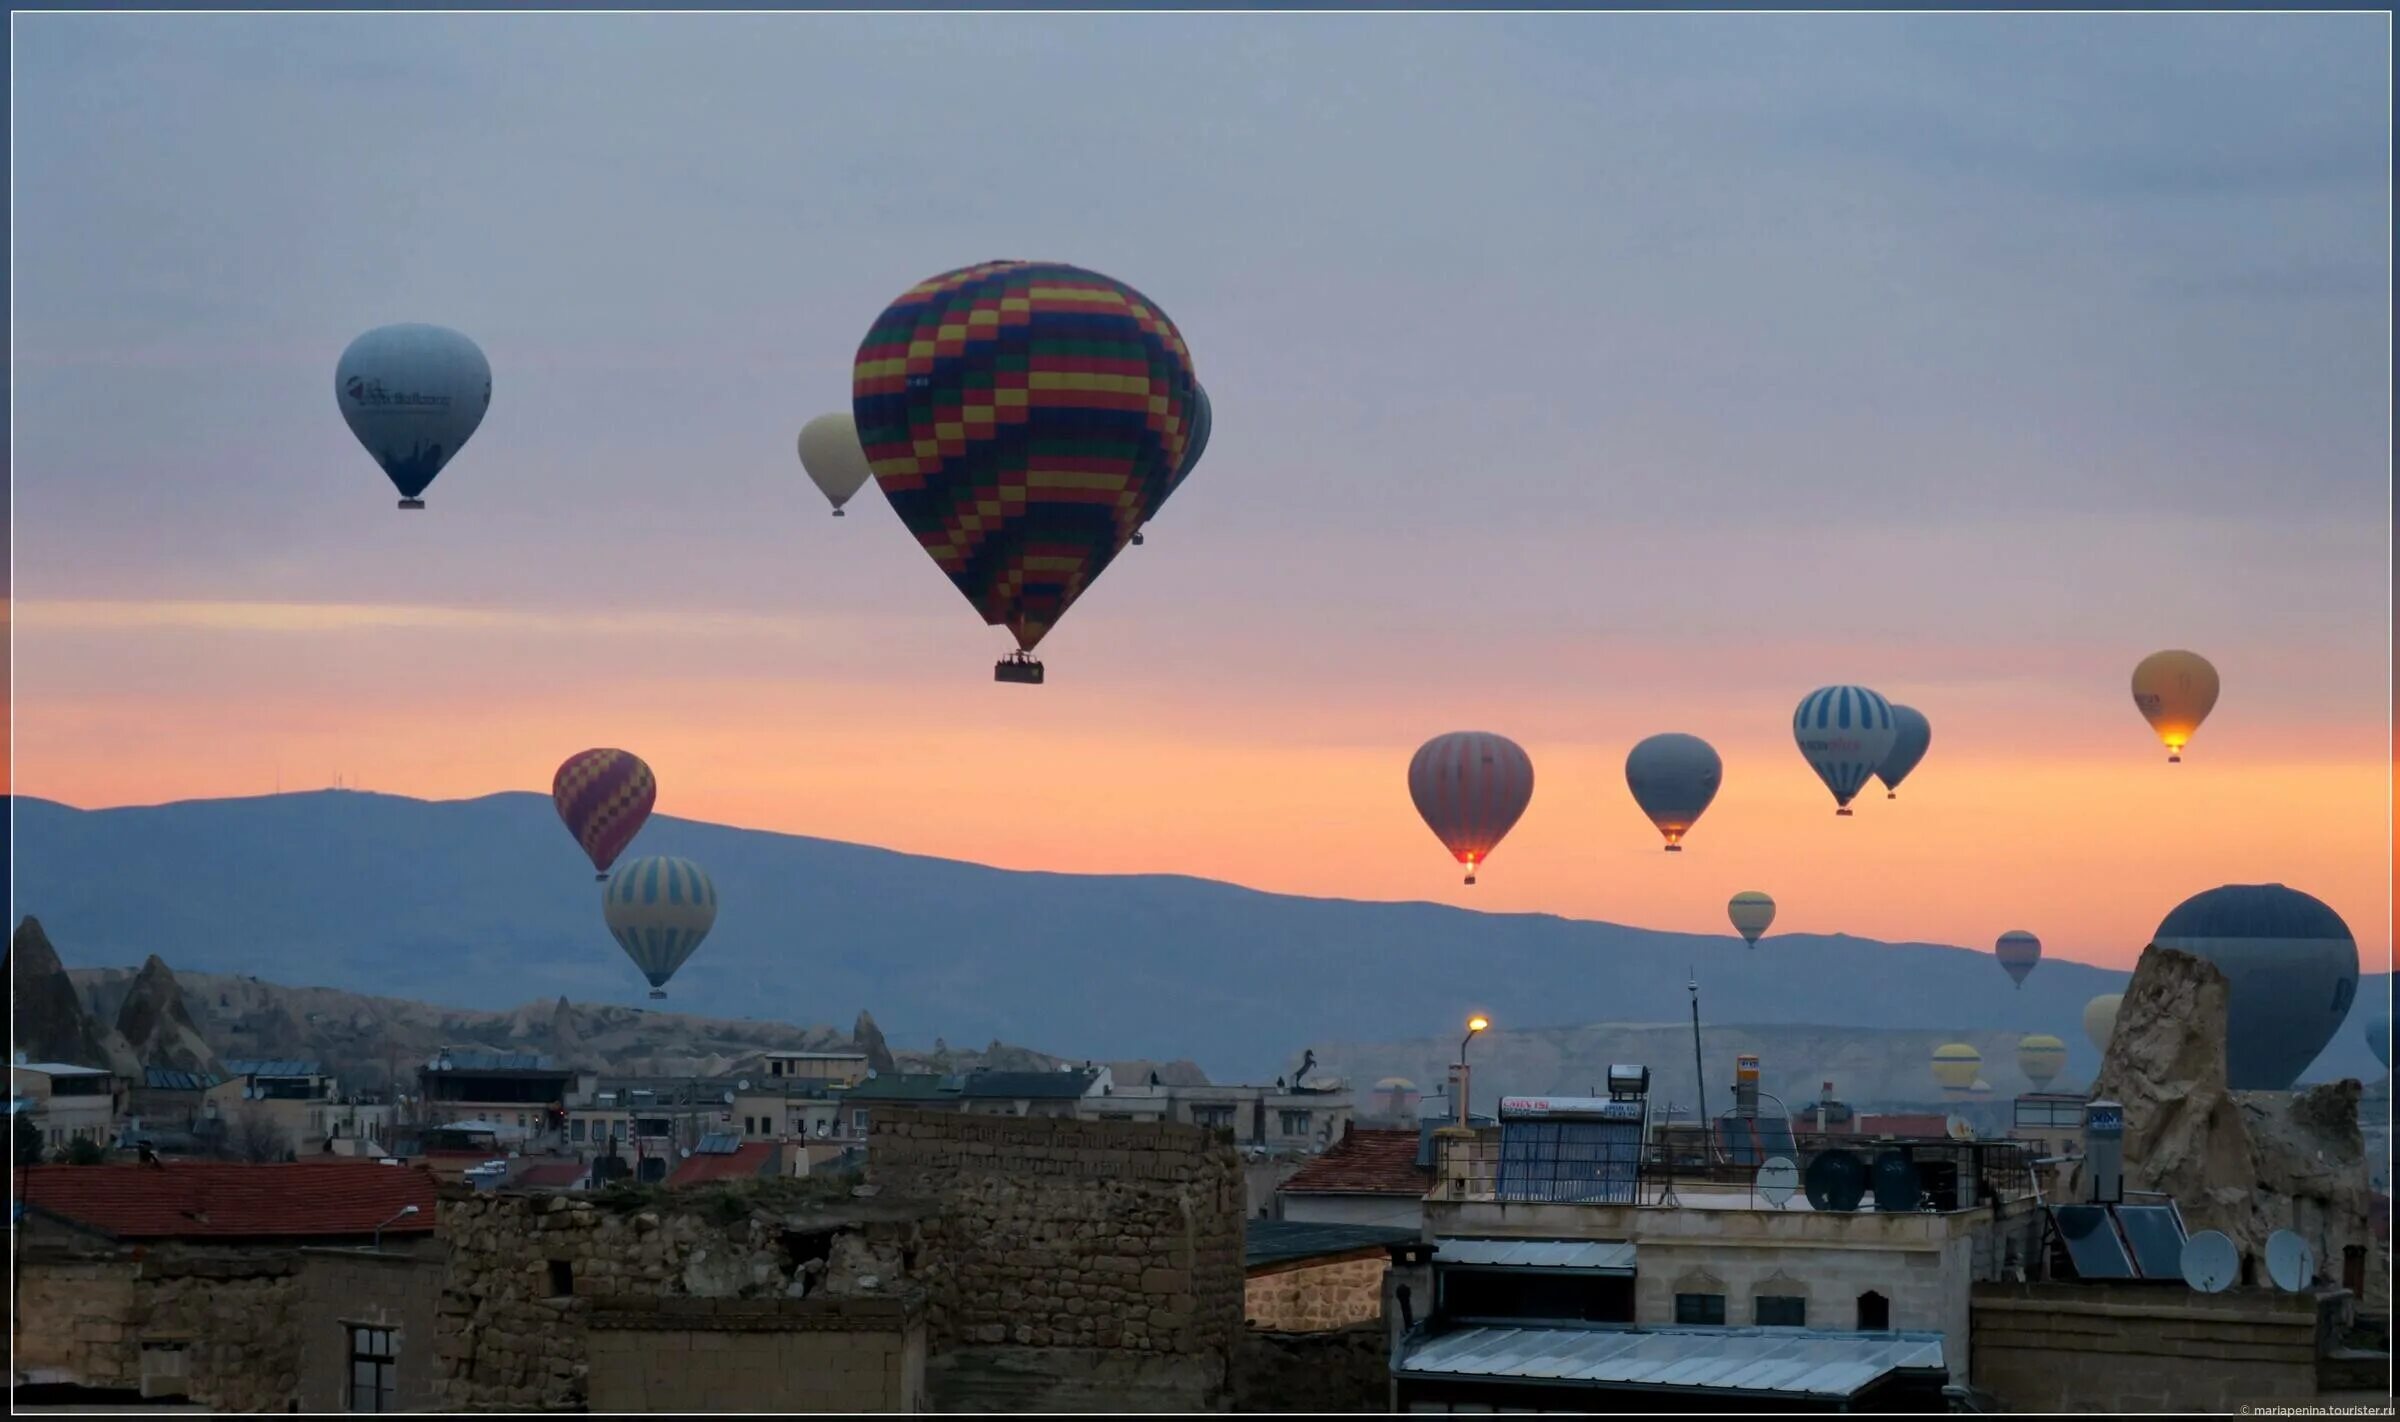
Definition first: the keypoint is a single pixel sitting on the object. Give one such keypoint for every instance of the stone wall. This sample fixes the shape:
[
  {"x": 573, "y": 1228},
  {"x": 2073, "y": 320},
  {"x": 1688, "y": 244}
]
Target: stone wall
[
  {"x": 1314, "y": 1295},
  {"x": 1071, "y": 1261},
  {"x": 2129, "y": 1348},
  {"x": 825, "y": 1354},
  {"x": 339, "y": 1288},
  {"x": 525, "y": 1270},
  {"x": 1342, "y": 1370},
  {"x": 215, "y": 1326}
]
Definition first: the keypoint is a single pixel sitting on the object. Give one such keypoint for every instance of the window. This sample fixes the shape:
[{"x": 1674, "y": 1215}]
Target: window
[
  {"x": 575, "y": 1130},
  {"x": 1780, "y": 1311},
  {"x": 373, "y": 1351},
  {"x": 774, "y": 1068},
  {"x": 1215, "y": 1117},
  {"x": 858, "y": 1122},
  {"x": 562, "y": 1278},
  {"x": 1295, "y": 1123},
  {"x": 749, "y": 1125},
  {"x": 1700, "y": 1308},
  {"x": 1874, "y": 1312}
]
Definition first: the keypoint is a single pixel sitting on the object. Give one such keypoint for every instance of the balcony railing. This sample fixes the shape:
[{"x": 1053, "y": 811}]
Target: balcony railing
[{"x": 1951, "y": 1175}]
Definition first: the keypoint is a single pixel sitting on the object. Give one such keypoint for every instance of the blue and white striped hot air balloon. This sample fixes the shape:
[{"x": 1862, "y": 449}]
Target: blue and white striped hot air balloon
[
  {"x": 1844, "y": 732},
  {"x": 659, "y": 908}
]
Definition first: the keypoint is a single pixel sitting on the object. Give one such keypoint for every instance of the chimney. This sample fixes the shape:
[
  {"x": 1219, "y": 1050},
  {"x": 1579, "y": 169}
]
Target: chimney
[{"x": 2104, "y": 1150}]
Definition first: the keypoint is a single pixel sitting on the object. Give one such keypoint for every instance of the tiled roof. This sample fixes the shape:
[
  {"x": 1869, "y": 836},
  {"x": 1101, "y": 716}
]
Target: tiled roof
[
  {"x": 1283, "y": 1241},
  {"x": 905, "y": 1086},
  {"x": 221, "y": 1200},
  {"x": 751, "y": 1160},
  {"x": 274, "y": 1066},
  {"x": 1027, "y": 1085},
  {"x": 169, "y": 1079},
  {"x": 1365, "y": 1162}
]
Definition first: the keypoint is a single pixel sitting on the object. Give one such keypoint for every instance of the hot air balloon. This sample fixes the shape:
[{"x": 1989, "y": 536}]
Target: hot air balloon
[
  {"x": 1673, "y": 777},
  {"x": 1981, "y": 1090},
  {"x": 1202, "y": 417},
  {"x": 1470, "y": 786},
  {"x": 659, "y": 909},
  {"x": 2018, "y": 952},
  {"x": 1396, "y": 1096},
  {"x": 2041, "y": 1057},
  {"x": 1955, "y": 1066},
  {"x": 2175, "y": 692},
  {"x": 2379, "y": 1039},
  {"x": 604, "y": 796},
  {"x": 2291, "y": 967},
  {"x": 1752, "y": 912},
  {"x": 1911, "y": 734},
  {"x": 2100, "y": 1020},
  {"x": 830, "y": 452},
  {"x": 1024, "y": 419},
  {"x": 1844, "y": 733},
  {"x": 413, "y": 395}
]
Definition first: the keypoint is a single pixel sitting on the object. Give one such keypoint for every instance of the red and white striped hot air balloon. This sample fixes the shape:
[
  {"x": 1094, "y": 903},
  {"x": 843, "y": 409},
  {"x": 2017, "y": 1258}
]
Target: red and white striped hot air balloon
[{"x": 1470, "y": 786}]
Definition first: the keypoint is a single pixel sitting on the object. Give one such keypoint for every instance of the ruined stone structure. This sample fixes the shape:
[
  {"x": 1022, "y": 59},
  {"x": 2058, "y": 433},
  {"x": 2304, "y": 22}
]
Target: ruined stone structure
[
  {"x": 395, "y": 1292},
  {"x": 1071, "y": 1265},
  {"x": 214, "y": 1326},
  {"x": 1341, "y": 1370},
  {"x": 843, "y": 1355},
  {"x": 2141, "y": 1348}
]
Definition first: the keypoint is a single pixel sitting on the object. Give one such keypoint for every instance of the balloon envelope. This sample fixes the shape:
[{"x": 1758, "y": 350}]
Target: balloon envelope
[
  {"x": 1471, "y": 786},
  {"x": 2100, "y": 1020},
  {"x": 2041, "y": 1057},
  {"x": 1912, "y": 734},
  {"x": 2018, "y": 952},
  {"x": 1024, "y": 418},
  {"x": 412, "y": 395},
  {"x": 1955, "y": 1065},
  {"x": 2175, "y": 691},
  {"x": 1673, "y": 777},
  {"x": 604, "y": 798},
  {"x": 2379, "y": 1039},
  {"x": 659, "y": 909},
  {"x": 1844, "y": 732},
  {"x": 1752, "y": 913},
  {"x": 2291, "y": 965},
  {"x": 830, "y": 452}
]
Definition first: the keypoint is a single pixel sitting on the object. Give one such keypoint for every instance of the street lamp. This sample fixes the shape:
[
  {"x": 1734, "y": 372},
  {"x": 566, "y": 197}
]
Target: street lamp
[
  {"x": 1475, "y": 1024},
  {"x": 405, "y": 1212}
]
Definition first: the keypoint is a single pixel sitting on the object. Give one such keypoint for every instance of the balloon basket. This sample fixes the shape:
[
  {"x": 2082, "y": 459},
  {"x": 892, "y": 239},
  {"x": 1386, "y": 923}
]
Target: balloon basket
[
  {"x": 1843, "y": 812},
  {"x": 412, "y": 503},
  {"x": 600, "y": 878},
  {"x": 837, "y": 513},
  {"x": 2174, "y": 760},
  {"x": 1674, "y": 849},
  {"x": 1137, "y": 540},
  {"x": 1018, "y": 668},
  {"x": 658, "y": 994},
  {"x": 1891, "y": 794}
]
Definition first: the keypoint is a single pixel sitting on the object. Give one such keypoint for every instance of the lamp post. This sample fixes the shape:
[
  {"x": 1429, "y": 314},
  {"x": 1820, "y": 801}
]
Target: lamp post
[
  {"x": 1475, "y": 1025},
  {"x": 405, "y": 1212}
]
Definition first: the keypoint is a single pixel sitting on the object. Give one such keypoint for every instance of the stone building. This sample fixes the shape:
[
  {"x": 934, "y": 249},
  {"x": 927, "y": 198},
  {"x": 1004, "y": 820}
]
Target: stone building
[
  {"x": 1313, "y": 1278},
  {"x": 363, "y": 1329},
  {"x": 183, "y": 1281},
  {"x": 66, "y": 1103}
]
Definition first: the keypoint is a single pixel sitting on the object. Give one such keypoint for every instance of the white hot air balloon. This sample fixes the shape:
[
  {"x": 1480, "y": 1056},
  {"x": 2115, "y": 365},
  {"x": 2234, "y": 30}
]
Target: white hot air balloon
[
  {"x": 413, "y": 395},
  {"x": 659, "y": 908},
  {"x": 1752, "y": 913},
  {"x": 830, "y": 452}
]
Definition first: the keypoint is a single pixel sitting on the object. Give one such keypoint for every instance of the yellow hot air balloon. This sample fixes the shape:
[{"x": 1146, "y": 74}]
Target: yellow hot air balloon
[
  {"x": 1955, "y": 1066},
  {"x": 2041, "y": 1057},
  {"x": 2100, "y": 1019},
  {"x": 1751, "y": 912},
  {"x": 2175, "y": 691},
  {"x": 1981, "y": 1090}
]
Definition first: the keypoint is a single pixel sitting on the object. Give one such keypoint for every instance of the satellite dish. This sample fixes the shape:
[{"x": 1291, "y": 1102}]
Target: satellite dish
[
  {"x": 2210, "y": 1262},
  {"x": 1837, "y": 1181},
  {"x": 729, "y": 1098},
  {"x": 1959, "y": 1128},
  {"x": 742, "y": 1085},
  {"x": 2290, "y": 1262},
  {"x": 1896, "y": 1184},
  {"x": 685, "y": 1152},
  {"x": 1778, "y": 1180}
]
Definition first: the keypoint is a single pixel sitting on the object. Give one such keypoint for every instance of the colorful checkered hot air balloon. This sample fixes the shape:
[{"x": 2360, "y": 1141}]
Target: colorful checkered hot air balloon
[
  {"x": 1203, "y": 416},
  {"x": 1025, "y": 419},
  {"x": 2019, "y": 952},
  {"x": 604, "y": 796},
  {"x": 1470, "y": 786},
  {"x": 659, "y": 909}
]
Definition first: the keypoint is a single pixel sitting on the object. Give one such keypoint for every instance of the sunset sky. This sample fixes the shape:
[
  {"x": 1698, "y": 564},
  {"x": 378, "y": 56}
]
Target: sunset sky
[{"x": 1575, "y": 378}]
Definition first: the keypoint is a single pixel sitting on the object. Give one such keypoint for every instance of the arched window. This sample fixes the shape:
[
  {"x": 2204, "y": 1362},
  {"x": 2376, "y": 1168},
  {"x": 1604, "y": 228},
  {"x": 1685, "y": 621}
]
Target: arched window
[{"x": 1874, "y": 1312}]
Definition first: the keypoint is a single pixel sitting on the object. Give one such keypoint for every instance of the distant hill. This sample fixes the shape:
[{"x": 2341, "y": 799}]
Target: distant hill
[{"x": 485, "y": 903}]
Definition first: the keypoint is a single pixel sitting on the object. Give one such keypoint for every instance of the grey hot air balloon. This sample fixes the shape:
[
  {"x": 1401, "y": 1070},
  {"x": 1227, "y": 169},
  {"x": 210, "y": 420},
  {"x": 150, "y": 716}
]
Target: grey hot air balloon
[
  {"x": 2292, "y": 967},
  {"x": 413, "y": 395},
  {"x": 659, "y": 908},
  {"x": 1673, "y": 777},
  {"x": 1911, "y": 735},
  {"x": 2379, "y": 1039},
  {"x": 829, "y": 451}
]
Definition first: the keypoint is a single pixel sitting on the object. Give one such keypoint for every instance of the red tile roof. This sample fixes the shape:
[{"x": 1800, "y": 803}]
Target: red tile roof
[
  {"x": 221, "y": 1200},
  {"x": 1365, "y": 1162},
  {"x": 745, "y": 1161}
]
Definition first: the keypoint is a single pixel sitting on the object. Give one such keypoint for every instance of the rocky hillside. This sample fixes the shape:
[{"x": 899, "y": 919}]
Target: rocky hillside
[
  {"x": 158, "y": 1027},
  {"x": 45, "y": 1013}
]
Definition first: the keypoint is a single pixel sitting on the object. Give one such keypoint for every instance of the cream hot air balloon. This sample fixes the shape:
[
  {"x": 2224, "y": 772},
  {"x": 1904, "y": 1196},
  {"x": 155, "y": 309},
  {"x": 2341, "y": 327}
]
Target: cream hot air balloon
[
  {"x": 2041, "y": 1057},
  {"x": 1955, "y": 1066},
  {"x": 830, "y": 452},
  {"x": 1752, "y": 913},
  {"x": 2100, "y": 1019},
  {"x": 1981, "y": 1090},
  {"x": 2175, "y": 692}
]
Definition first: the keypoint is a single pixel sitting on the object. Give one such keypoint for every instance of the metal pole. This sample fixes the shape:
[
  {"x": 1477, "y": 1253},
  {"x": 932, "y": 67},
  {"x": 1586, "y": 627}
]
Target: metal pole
[{"x": 1699, "y": 1075}]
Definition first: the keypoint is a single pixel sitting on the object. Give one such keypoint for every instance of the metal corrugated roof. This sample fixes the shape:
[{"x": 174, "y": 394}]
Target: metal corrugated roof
[
  {"x": 1792, "y": 1362},
  {"x": 1584, "y": 1255},
  {"x": 1281, "y": 1241},
  {"x": 171, "y": 1079},
  {"x": 448, "y": 1060},
  {"x": 61, "y": 1069},
  {"x": 274, "y": 1066}
]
